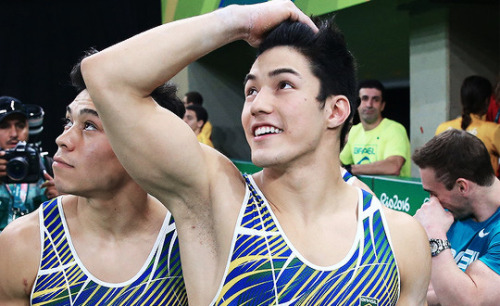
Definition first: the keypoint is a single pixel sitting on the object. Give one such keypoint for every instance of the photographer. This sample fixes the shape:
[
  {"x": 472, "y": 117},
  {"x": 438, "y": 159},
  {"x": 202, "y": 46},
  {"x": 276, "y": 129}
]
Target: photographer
[{"x": 18, "y": 198}]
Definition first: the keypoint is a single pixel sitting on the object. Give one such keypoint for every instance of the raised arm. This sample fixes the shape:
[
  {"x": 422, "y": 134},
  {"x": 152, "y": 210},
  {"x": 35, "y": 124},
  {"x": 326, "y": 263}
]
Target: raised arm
[{"x": 158, "y": 149}]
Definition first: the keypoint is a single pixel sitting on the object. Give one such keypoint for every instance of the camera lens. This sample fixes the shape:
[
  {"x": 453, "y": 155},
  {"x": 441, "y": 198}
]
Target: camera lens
[{"x": 17, "y": 168}]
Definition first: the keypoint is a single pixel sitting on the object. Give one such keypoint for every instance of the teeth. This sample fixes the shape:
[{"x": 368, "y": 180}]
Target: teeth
[{"x": 267, "y": 130}]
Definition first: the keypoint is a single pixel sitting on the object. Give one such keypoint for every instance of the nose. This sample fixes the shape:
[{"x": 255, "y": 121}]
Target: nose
[
  {"x": 13, "y": 131},
  {"x": 66, "y": 139},
  {"x": 263, "y": 103}
]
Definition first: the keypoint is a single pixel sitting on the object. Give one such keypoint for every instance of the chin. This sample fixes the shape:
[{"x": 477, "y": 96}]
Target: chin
[{"x": 266, "y": 160}]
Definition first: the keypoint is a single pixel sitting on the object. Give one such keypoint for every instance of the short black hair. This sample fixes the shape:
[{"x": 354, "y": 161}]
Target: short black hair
[
  {"x": 330, "y": 60},
  {"x": 165, "y": 95},
  {"x": 372, "y": 84},
  {"x": 194, "y": 97}
]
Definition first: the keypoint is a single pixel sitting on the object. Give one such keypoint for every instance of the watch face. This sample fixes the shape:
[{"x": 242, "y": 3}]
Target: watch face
[{"x": 434, "y": 246}]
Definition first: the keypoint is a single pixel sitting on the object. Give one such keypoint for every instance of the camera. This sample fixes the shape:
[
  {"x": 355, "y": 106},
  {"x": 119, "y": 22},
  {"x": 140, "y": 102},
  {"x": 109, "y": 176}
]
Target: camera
[{"x": 23, "y": 164}]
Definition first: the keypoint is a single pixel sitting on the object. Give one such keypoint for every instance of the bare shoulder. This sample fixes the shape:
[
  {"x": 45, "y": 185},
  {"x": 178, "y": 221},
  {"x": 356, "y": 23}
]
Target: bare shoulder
[
  {"x": 412, "y": 251},
  {"x": 20, "y": 257},
  {"x": 25, "y": 229},
  {"x": 225, "y": 177},
  {"x": 406, "y": 232}
]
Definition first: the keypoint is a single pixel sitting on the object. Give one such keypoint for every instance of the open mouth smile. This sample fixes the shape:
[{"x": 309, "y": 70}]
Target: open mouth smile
[{"x": 265, "y": 130}]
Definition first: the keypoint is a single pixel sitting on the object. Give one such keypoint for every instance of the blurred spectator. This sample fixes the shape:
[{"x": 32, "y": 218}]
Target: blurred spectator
[
  {"x": 493, "y": 113},
  {"x": 475, "y": 96},
  {"x": 196, "y": 117},
  {"x": 376, "y": 145},
  {"x": 194, "y": 97}
]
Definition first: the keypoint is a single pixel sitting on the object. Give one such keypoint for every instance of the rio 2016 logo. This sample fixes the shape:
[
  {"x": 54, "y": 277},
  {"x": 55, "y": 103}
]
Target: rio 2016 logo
[{"x": 395, "y": 202}]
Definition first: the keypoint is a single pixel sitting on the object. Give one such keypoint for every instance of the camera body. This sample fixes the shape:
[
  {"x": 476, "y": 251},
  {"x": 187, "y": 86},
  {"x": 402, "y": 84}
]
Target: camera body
[{"x": 23, "y": 164}]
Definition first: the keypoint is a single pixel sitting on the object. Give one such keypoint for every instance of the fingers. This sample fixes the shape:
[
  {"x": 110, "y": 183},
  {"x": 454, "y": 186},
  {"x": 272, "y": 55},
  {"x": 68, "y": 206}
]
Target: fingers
[
  {"x": 46, "y": 175},
  {"x": 264, "y": 17},
  {"x": 52, "y": 193},
  {"x": 297, "y": 15}
]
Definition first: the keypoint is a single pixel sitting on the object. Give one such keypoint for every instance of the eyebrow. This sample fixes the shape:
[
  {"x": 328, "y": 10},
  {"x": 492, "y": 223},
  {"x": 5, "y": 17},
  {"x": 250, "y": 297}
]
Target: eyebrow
[
  {"x": 272, "y": 73},
  {"x": 84, "y": 111}
]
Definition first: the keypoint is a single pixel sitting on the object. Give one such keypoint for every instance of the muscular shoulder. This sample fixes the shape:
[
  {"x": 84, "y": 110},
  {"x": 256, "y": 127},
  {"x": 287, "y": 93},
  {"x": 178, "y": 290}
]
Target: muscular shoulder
[
  {"x": 227, "y": 186},
  {"x": 20, "y": 256},
  {"x": 25, "y": 229},
  {"x": 404, "y": 225},
  {"x": 412, "y": 251},
  {"x": 408, "y": 236}
]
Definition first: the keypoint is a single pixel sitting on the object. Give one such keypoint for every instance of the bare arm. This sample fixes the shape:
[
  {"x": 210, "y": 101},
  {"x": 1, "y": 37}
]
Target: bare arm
[
  {"x": 412, "y": 255},
  {"x": 19, "y": 260},
  {"x": 158, "y": 149},
  {"x": 390, "y": 166},
  {"x": 201, "y": 188},
  {"x": 478, "y": 285}
]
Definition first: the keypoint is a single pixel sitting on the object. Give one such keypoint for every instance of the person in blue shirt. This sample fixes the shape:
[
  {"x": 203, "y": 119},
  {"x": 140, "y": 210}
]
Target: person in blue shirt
[{"x": 462, "y": 219}]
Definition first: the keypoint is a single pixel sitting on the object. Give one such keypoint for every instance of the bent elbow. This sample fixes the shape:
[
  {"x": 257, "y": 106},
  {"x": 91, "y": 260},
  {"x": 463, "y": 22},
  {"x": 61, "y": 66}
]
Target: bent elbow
[{"x": 396, "y": 171}]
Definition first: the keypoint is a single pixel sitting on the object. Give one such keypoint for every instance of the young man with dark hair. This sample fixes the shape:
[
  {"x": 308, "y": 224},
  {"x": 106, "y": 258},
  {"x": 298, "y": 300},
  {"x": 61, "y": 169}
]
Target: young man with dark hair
[
  {"x": 294, "y": 233},
  {"x": 462, "y": 219},
  {"x": 376, "y": 145},
  {"x": 106, "y": 241},
  {"x": 196, "y": 117},
  {"x": 195, "y": 98}
]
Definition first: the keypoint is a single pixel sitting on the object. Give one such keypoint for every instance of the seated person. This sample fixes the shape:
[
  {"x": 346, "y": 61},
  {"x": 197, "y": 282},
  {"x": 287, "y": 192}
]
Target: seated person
[
  {"x": 462, "y": 219},
  {"x": 376, "y": 145},
  {"x": 16, "y": 199},
  {"x": 105, "y": 242},
  {"x": 196, "y": 117}
]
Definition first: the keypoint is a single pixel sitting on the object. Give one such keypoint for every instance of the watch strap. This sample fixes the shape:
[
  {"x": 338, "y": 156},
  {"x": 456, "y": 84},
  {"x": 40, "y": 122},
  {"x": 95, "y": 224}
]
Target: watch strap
[{"x": 438, "y": 245}]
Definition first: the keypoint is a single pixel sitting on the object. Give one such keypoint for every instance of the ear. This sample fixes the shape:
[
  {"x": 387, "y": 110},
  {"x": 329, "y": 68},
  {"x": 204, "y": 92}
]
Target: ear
[
  {"x": 463, "y": 186},
  {"x": 337, "y": 110},
  {"x": 199, "y": 123},
  {"x": 383, "y": 106}
]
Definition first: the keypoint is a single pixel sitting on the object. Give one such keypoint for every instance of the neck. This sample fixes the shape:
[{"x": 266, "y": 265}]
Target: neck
[
  {"x": 306, "y": 188},
  {"x": 118, "y": 214},
  {"x": 487, "y": 201},
  {"x": 370, "y": 126}
]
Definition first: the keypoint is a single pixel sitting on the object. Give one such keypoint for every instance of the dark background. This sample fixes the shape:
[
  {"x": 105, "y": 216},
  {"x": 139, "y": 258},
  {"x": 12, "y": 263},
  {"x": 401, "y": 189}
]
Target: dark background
[{"x": 40, "y": 41}]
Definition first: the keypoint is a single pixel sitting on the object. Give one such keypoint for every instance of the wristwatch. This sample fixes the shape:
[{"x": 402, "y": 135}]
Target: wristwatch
[{"x": 438, "y": 245}]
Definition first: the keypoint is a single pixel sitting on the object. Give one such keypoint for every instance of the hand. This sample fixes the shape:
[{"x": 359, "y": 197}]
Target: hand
[
  {"x": 263, "y": 17},
  {"x": 435, "y": 220},
  {"x": 3, "y": 165},
  {"x": 50, "y": 191}
]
